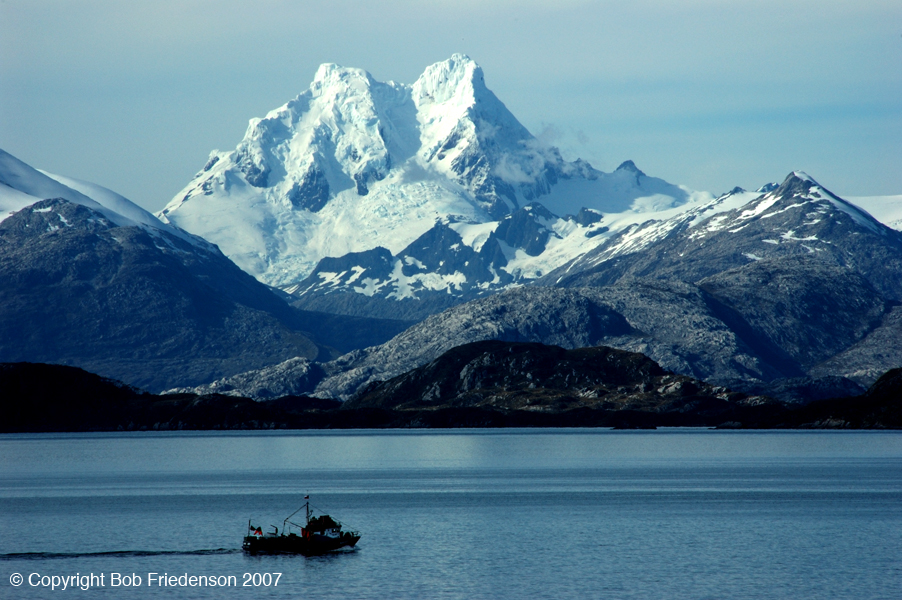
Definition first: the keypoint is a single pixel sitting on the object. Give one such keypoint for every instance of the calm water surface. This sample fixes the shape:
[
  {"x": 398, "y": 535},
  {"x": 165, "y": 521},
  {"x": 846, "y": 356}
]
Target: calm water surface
[{"x": 463, "y": 513}]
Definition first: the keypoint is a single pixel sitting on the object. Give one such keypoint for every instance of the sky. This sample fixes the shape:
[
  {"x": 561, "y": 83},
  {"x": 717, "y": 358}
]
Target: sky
[{"x": 708, "y": 94}]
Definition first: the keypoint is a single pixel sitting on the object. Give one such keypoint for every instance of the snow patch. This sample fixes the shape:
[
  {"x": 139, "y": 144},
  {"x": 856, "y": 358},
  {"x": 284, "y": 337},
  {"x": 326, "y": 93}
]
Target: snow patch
[
  {"x": 790, "y": 236},
  {"x": 369, "y": 286},
  {"x": 358, "y": 271}
]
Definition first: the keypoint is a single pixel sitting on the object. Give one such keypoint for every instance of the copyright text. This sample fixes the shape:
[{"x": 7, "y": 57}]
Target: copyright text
[{"x": 135, "y": 580}]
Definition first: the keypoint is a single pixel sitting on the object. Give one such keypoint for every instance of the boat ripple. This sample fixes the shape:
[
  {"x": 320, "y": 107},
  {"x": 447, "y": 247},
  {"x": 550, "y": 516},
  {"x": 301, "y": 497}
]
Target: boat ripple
[{"x": 115, "y": 553}]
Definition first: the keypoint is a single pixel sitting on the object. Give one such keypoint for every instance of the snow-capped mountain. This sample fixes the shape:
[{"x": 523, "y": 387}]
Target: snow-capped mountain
[
  {"x": 135, "y": 303},
  {"x": 91, "y": 279},
  {"x": 814, "y": 280},
  {"x": 353, "y": 165},
  {"x": 22, "y": 185},
  {"x": 88, "y": 278},
  {"x": 799, "y": 217},
  {"x": 789, "y": 290}
]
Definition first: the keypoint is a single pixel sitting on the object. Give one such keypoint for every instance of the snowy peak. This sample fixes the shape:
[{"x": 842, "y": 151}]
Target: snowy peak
[
  {"x": 332, "y": 77},
  {"x": 799, "y": 214},
  {"x": 334, "y": 136},
  {"x": 458, "y": 79},
  {"x": 468, "y": 135},
  {"x": 797, "y": 183},
  {"x": 22, "y": 185},
  {"x": 348, "y": 131},
  {"x": 630, "y": 167},
  {"x": 801, "y": 187},
  {"x": 799, "y": 220},
  {"x": 352, "y": 164},
  {"x": 31, "y": 185},
  {"x": 452, "y": 95},
  {"x": 801, "y": 184}
]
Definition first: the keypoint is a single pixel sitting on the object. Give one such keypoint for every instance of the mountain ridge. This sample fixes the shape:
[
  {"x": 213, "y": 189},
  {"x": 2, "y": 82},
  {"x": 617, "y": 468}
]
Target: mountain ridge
[
  {"x": 22, "y": 185},
  {"x": 499, "y": 384},
  {"x": 799, "y": 217},
  {"x": 144, "y": 307},
  {"x": 691, "y": 294},
  {"x": 351, "y": 164}
]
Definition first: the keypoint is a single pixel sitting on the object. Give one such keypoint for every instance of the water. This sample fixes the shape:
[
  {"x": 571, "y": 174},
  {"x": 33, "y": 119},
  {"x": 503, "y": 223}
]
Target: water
[{"x": 462, "y": 514}]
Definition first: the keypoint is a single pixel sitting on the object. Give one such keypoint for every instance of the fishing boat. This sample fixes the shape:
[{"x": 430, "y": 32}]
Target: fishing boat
[{"x": 321, "y": 534}]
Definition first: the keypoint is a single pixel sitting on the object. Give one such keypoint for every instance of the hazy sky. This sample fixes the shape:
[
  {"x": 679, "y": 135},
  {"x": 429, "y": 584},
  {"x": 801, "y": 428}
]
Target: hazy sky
[{"x": 134, "y": 95}]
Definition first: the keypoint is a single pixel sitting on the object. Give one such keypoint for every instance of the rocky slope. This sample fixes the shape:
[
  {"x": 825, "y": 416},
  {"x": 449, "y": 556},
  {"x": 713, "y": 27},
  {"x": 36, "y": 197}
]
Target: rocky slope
[
  {"x": 816, "y": 317},
  {"x": 528, "y": 376},
  {"x": 515, "y": 383},
  {"x": 145, "y": 307},
  {"x": 683, "y": 327},
  {"x": 680, "y": 326}
]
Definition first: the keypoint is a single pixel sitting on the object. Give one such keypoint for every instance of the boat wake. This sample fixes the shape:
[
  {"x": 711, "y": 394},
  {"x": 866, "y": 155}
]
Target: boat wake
[{"x": 115, "y": 554}]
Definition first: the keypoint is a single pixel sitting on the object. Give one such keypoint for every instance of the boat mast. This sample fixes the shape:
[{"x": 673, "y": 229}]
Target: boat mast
[{"x": 285, "y": 522}]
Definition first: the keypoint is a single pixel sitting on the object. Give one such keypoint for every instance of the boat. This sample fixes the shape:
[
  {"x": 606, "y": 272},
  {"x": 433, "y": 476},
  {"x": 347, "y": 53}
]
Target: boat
[{"x": 320, "y": 535}]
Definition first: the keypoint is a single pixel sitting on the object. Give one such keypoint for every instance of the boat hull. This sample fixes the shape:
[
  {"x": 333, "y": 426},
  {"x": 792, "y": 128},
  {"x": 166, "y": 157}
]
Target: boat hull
[{"x": 294, "y": 544}]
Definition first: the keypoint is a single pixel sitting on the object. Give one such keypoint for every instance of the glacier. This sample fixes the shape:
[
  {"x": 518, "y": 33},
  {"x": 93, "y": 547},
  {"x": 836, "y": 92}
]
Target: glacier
[{"x": 352, "y": 164}]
